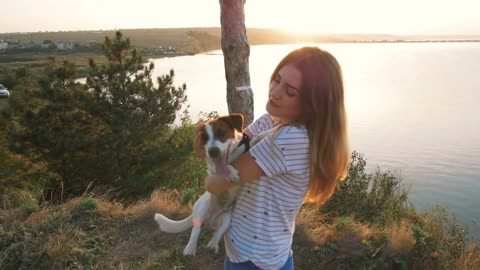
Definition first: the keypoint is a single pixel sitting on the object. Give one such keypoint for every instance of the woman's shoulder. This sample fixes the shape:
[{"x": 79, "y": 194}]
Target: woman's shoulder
[
  {"x": 263, "y": 123},
  {"x": 267, "y": 118},
  {"x": 289, "y": 131},
  {"x": 292, "y": 135}
]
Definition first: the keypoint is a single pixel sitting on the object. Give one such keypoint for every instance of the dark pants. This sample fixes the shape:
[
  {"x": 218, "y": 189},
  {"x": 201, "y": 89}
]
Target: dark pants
[{"x": 248, "y": 265}]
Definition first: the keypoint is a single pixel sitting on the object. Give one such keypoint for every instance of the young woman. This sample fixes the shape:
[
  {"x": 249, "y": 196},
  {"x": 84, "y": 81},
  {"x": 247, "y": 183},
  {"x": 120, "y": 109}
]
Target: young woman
[{"x": 300, "y": 161}]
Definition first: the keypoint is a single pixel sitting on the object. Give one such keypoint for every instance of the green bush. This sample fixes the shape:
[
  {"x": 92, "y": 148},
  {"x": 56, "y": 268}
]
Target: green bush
[
  {"x": 440, "y": 240},
  {"x": 88, "y": 204},
  {"x": 344, "y": 224},
  {"x": 30, "y": 207},
  {"x": 375, "y": 198},
  {"x": 12, "y": 198}
]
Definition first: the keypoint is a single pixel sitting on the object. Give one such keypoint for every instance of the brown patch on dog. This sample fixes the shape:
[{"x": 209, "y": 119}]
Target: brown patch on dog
[
  {"x": 199, "y": 140},
  {"x": 235, "y": 120},
  {"x": 222, "y": 130}
]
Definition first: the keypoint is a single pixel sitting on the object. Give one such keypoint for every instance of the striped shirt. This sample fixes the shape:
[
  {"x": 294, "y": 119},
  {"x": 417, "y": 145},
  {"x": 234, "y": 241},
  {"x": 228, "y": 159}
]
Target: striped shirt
[{"x": 263, "y": 219}]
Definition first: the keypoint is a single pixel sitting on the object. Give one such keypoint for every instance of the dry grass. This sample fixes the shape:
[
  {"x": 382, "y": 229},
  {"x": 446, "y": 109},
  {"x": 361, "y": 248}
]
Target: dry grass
[
  {"x": 94, "y": 232},
  {"x": 329, "y": 245},
  {"x": 139, "y": 244},
  {"x": 470, "y": 259},
  {"x": 401, "y": 239},
  {"x": 63, "y": 243}
]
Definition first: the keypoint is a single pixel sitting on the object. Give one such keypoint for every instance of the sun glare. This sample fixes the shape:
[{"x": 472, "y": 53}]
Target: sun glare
[
  {"x": 302, "y": 29},
  {"x": 304, "y": 17}
]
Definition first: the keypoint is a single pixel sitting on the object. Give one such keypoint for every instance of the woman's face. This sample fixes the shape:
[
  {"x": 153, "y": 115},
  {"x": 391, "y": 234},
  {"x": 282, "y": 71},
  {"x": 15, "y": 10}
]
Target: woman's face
[{"x": 284, "y": 95}]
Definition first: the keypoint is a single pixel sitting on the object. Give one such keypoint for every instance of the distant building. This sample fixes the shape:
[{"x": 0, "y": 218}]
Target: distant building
[
  {"x": 64, "y": 45},
  {"x": 13, "y": 45},
  {"x": 27, "y": 45},
  {"x": 90, "y": 43},
  {"x": 11, "y": 40},
  {"x": 3, "y": 45}
]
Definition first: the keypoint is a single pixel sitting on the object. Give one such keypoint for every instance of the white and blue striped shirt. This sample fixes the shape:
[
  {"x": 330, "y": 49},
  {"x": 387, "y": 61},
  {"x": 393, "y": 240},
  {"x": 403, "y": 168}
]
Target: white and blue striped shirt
[{"x": 263, "y": 219}]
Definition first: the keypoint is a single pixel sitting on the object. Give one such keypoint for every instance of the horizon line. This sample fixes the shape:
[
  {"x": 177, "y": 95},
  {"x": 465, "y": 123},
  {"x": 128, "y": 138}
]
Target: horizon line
[{"x": 219, "y": 27}]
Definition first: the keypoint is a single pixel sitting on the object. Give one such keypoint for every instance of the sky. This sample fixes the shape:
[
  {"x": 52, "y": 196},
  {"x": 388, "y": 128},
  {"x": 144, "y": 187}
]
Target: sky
[{"x": 402, "y": 17}]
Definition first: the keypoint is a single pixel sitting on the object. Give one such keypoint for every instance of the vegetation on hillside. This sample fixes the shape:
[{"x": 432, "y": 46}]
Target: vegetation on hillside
[
  {"x": 112, "y": 131},
  {"x": 84, "y": 167},
  {"x": 178, "y": 38},
  {"x": 150, "y": 43},
  {"x": 97, "y": 231}
]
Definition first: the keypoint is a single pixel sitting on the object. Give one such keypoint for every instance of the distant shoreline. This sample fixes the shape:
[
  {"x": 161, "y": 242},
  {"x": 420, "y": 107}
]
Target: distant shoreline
[
  {"x": 207, "y": 36},
  {"x": 416, "y": 41},
  {"x": 28, "y": 49}
]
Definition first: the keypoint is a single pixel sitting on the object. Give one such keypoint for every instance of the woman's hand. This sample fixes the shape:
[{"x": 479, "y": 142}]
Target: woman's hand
[
  {"x": 217, "y": 184},
  {"x": 247, "y": 170}
]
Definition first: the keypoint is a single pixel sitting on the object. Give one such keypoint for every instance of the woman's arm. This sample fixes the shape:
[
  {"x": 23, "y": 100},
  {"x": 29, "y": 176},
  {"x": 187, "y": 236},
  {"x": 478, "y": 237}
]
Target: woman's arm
[{"x": 247, "y": 168}]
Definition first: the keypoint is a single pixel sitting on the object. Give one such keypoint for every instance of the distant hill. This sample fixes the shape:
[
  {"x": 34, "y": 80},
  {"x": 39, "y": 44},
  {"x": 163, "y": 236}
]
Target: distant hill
[{"x": 193, "y": 40}]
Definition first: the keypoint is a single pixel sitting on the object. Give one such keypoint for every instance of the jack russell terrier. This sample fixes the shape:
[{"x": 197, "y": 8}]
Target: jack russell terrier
[{"x": 223, "y": 142}]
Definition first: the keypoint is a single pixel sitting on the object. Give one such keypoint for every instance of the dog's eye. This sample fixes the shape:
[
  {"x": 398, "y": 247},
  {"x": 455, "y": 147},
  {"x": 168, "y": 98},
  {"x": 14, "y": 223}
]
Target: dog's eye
[
  {"x": 204, "y": 137},
  {"x": 220, "y": 133}
]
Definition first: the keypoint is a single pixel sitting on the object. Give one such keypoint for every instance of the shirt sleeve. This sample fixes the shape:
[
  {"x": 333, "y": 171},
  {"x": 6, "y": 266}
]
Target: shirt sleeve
[
  {"x": 287, "y": 153},
  {"x": 264, "y": 123}
]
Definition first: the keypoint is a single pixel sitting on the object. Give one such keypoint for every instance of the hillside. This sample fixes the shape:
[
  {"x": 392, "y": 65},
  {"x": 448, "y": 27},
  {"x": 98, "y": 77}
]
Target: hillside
[
  {"x": 98, "y": 233},
  {"x": 180, "y": 37},
  {"x": 99, "y": 230}
]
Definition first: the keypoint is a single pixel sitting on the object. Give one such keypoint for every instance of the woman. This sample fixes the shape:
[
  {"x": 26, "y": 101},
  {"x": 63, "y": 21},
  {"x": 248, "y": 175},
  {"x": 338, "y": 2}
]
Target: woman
[{"x": 300, "y": 161}]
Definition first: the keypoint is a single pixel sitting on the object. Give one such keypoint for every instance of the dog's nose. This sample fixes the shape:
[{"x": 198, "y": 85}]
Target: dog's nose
[{"x": 214, "y": 152}]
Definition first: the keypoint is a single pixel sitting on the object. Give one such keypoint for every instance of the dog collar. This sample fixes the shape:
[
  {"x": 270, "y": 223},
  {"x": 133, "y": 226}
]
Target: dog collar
[{"x": 246, "y": 141}]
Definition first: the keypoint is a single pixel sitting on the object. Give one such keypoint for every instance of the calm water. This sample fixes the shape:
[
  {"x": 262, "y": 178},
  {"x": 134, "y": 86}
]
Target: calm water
[{"x": 413, "y": 108}]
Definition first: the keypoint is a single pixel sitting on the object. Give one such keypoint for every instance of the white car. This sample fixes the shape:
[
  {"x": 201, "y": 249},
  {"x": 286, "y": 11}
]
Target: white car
[{"x": 4, "y": 92}]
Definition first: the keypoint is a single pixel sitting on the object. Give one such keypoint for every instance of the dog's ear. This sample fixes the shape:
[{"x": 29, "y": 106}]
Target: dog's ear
[
  {"x": 198, "y": 141},
  {"x": 235, "y": 120}
]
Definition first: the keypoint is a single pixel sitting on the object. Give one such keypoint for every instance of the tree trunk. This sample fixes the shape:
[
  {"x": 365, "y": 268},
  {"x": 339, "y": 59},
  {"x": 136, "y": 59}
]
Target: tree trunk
[{"x": 235, "y": 54}]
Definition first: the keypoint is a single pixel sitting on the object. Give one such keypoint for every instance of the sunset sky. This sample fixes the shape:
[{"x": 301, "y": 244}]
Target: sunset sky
[{"x": 317, "y": 16}]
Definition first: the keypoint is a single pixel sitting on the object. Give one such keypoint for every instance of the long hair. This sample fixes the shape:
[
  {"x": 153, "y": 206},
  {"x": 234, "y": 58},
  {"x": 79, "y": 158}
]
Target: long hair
[{"x": 323, "y": 114}]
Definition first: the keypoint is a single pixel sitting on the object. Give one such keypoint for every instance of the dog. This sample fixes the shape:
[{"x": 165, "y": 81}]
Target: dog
[{"x": 223, "y": 142}]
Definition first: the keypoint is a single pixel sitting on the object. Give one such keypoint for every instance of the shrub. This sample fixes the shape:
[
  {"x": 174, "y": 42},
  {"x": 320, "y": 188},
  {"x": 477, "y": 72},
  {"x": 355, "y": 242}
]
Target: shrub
[
  {"x": 375, "y": 198},
  {"x": 30, "y": 207},
  {"x": 344, "y": 224},
  {"x": 88, "y": 204},
  {"x": 440, "y": 240},
  {"x": 12, "y": 198}
]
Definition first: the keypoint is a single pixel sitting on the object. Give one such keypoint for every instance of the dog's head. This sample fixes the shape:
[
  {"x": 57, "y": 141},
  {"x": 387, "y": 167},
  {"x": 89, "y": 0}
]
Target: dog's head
[{"x": 218, "y": 135}]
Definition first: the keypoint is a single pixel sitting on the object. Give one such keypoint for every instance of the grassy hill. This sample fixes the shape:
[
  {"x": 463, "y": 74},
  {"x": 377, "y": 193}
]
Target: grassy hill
[
  {"x": 94, "y": 232},
  {"x": 368, "y": 224},
  {"x": 177, "y": 41}
]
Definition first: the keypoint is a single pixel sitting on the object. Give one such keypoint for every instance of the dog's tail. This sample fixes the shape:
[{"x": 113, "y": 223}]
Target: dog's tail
[{"x": 173, "y": 226}]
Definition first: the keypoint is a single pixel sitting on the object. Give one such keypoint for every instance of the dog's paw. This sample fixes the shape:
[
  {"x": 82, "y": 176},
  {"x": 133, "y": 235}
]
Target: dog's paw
[
  {"x": 213, "y": 245},
  {"x": 189, "y": 250},
  {"x": 234, "y": 177}
]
